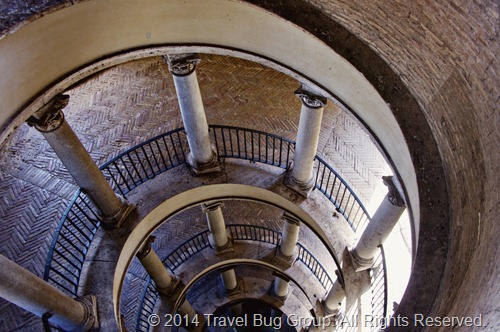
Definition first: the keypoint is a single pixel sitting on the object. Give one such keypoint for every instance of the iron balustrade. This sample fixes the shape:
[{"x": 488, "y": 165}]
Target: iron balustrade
[
  {"x": 337, "y": 191},
  {"x": 379, "y": 287},
  {"x": 253, "y": 145},
  {"x": 70, "y": 244},
  {"x": 200, "y": 241},
  {"x": 143, "y": 162}
]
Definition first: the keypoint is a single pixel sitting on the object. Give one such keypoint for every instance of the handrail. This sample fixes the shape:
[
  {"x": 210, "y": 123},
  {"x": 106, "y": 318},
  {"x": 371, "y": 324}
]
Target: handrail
[
  {"x": 146, "y": 160},
  {"x": 239, "y": 232}
]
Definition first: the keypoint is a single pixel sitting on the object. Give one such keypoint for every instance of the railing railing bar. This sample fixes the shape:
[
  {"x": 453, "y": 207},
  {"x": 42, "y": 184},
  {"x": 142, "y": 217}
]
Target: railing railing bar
[
  {"x": 231, "y": 142},
  {"x": 91, "y": 230},
  {"x": 153, "y": 154},
  {"x": 161, "y": 155},
  {"x": 128, "y": 171},
  {"x": 148, "y": 159},
  {"x": 175, "y": 150},
  {"x": 69, "y": 261},
  {"x": 71, "y": 291},
  {"x": 121, "y": 176},
  {"x": 117, "y": 184},
  {"x": 140, "y": 161}
]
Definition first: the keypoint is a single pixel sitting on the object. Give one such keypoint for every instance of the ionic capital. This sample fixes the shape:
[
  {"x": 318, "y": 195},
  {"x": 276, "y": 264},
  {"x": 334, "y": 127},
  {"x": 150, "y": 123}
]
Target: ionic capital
[
  {"x": 182, "y": 64},
  {"x": 309, "y": 98},
  {"x": 50, "y": 116},
  {"x": 145, "y": 248},
  {"x": 394, "y": 195}
]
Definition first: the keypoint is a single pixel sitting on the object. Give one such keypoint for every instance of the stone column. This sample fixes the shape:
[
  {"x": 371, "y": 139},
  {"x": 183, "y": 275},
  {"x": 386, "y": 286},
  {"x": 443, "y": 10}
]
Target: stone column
[
  {"x": 286, "y": 252},
  {"x": 202, "y": 158},
  {"x": 289, "y": 238},
  {"x": 220, "y": 240},
  {"x": 154, "y": 267},
  {"x": 50, "y": 121},
  {"x": 35, "y": 295},
  {"x": 380, "y": 226},
  {"x": 280, "y": 288},
  {"x": 333, "y": 301},
  {"x": 301, "y": 178},
  {"x": 166, "y": 284}
]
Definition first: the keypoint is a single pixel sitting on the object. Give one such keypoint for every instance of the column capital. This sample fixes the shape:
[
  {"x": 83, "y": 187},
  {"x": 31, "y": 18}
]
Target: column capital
[
  {"x": 291, "y": 219},
  {"x": 309, "y": 98},
  {"x": 145, "y": 248},
  {"x": 212, "y": 206},
  {"x": 394, "y": 195},
  {"x": 182, "y": 64},
  {"x": 50, "y": 116}
]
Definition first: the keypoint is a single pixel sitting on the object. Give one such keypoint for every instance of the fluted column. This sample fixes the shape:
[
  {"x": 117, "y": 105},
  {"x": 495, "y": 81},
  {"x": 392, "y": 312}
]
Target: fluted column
[
  {"x": 202, "y": 158},
  {"x": 35, "y": 295},
  {"x": 220, "y": 240},
  {"x": 301, "y": 176},
  {"x": 50, "y": 121},
  {"x": 380, "y": 226}
]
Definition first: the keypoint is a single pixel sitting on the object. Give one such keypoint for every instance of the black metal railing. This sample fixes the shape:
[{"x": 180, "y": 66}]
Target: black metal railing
[
  {"x": 262, "y": 147},
  {"x": 70, "y": 244},
  {"x": 199, "y": 242},
  {"x": 379, "y": 287},
  {"x": 147, "y": 160},
  {"x": 337, "y": 191},
  {"x": 253, "y": 145}
]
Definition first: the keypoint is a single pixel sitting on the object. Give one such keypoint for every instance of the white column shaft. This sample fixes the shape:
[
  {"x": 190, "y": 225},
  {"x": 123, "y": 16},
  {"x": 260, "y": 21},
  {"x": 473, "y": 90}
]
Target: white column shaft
[
  {"x": 216, "y": 225},
  {"x": 83, "y": 169},
  {"x": 157, "y": 271},
  {"x": 33, "y": 294},
  {"x": 229, "y": 280},
  {"x": 193, "y": 117},
  {"x": 333, "y": 300},
  {"x": 307, "y": 143},
  {"x": 289, "y": 238},
  {"x": 379, "y": 228},
  {"x": 280, "y": 287}
]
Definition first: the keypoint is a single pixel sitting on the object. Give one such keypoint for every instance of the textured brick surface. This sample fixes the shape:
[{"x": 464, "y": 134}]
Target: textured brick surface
[
  {"x": 445, "y": 52},
  {"x": 128, "y": 104}
]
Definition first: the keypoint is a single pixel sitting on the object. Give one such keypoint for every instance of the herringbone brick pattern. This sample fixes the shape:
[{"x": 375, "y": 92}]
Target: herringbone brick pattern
[{"x": 127, "y": 104}]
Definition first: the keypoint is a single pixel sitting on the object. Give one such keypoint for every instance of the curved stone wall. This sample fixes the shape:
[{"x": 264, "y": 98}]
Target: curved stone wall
[{"x": 446, "y": 54}]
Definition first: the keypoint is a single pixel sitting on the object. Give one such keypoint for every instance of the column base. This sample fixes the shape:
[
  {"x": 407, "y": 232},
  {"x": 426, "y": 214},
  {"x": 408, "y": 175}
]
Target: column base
[
  {"x": 211, "y": 166},
  {"x": 359, "y": 263},
  {"x": 224, "y": 249},
  {"x": 329, "y": 312},
  {"x": 115, "y": 221},
  {"x": 279, "y": 298},
  {"x": 236, "y": 290},
  {"x": 91, "y": 317},
  {"x": 303, "y": 188},
  {"x": 174, "y": 286},
  {"x": 286, "y": 261}
]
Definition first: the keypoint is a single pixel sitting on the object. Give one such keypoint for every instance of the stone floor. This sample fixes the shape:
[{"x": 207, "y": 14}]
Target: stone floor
[{"x": 125, "y": 105}]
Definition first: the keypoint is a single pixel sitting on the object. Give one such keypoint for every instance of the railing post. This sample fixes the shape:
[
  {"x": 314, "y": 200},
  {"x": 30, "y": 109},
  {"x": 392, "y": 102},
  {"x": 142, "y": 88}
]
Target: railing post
[
  {"x": 202, "y": 158},
  {"x": 380, "y": 226},
  {"x": 220, "y": 240},
  {"x": 35, "y": 295},
  {"x": 49, "y": 120},
  {"x": 301, "y": 178}
]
